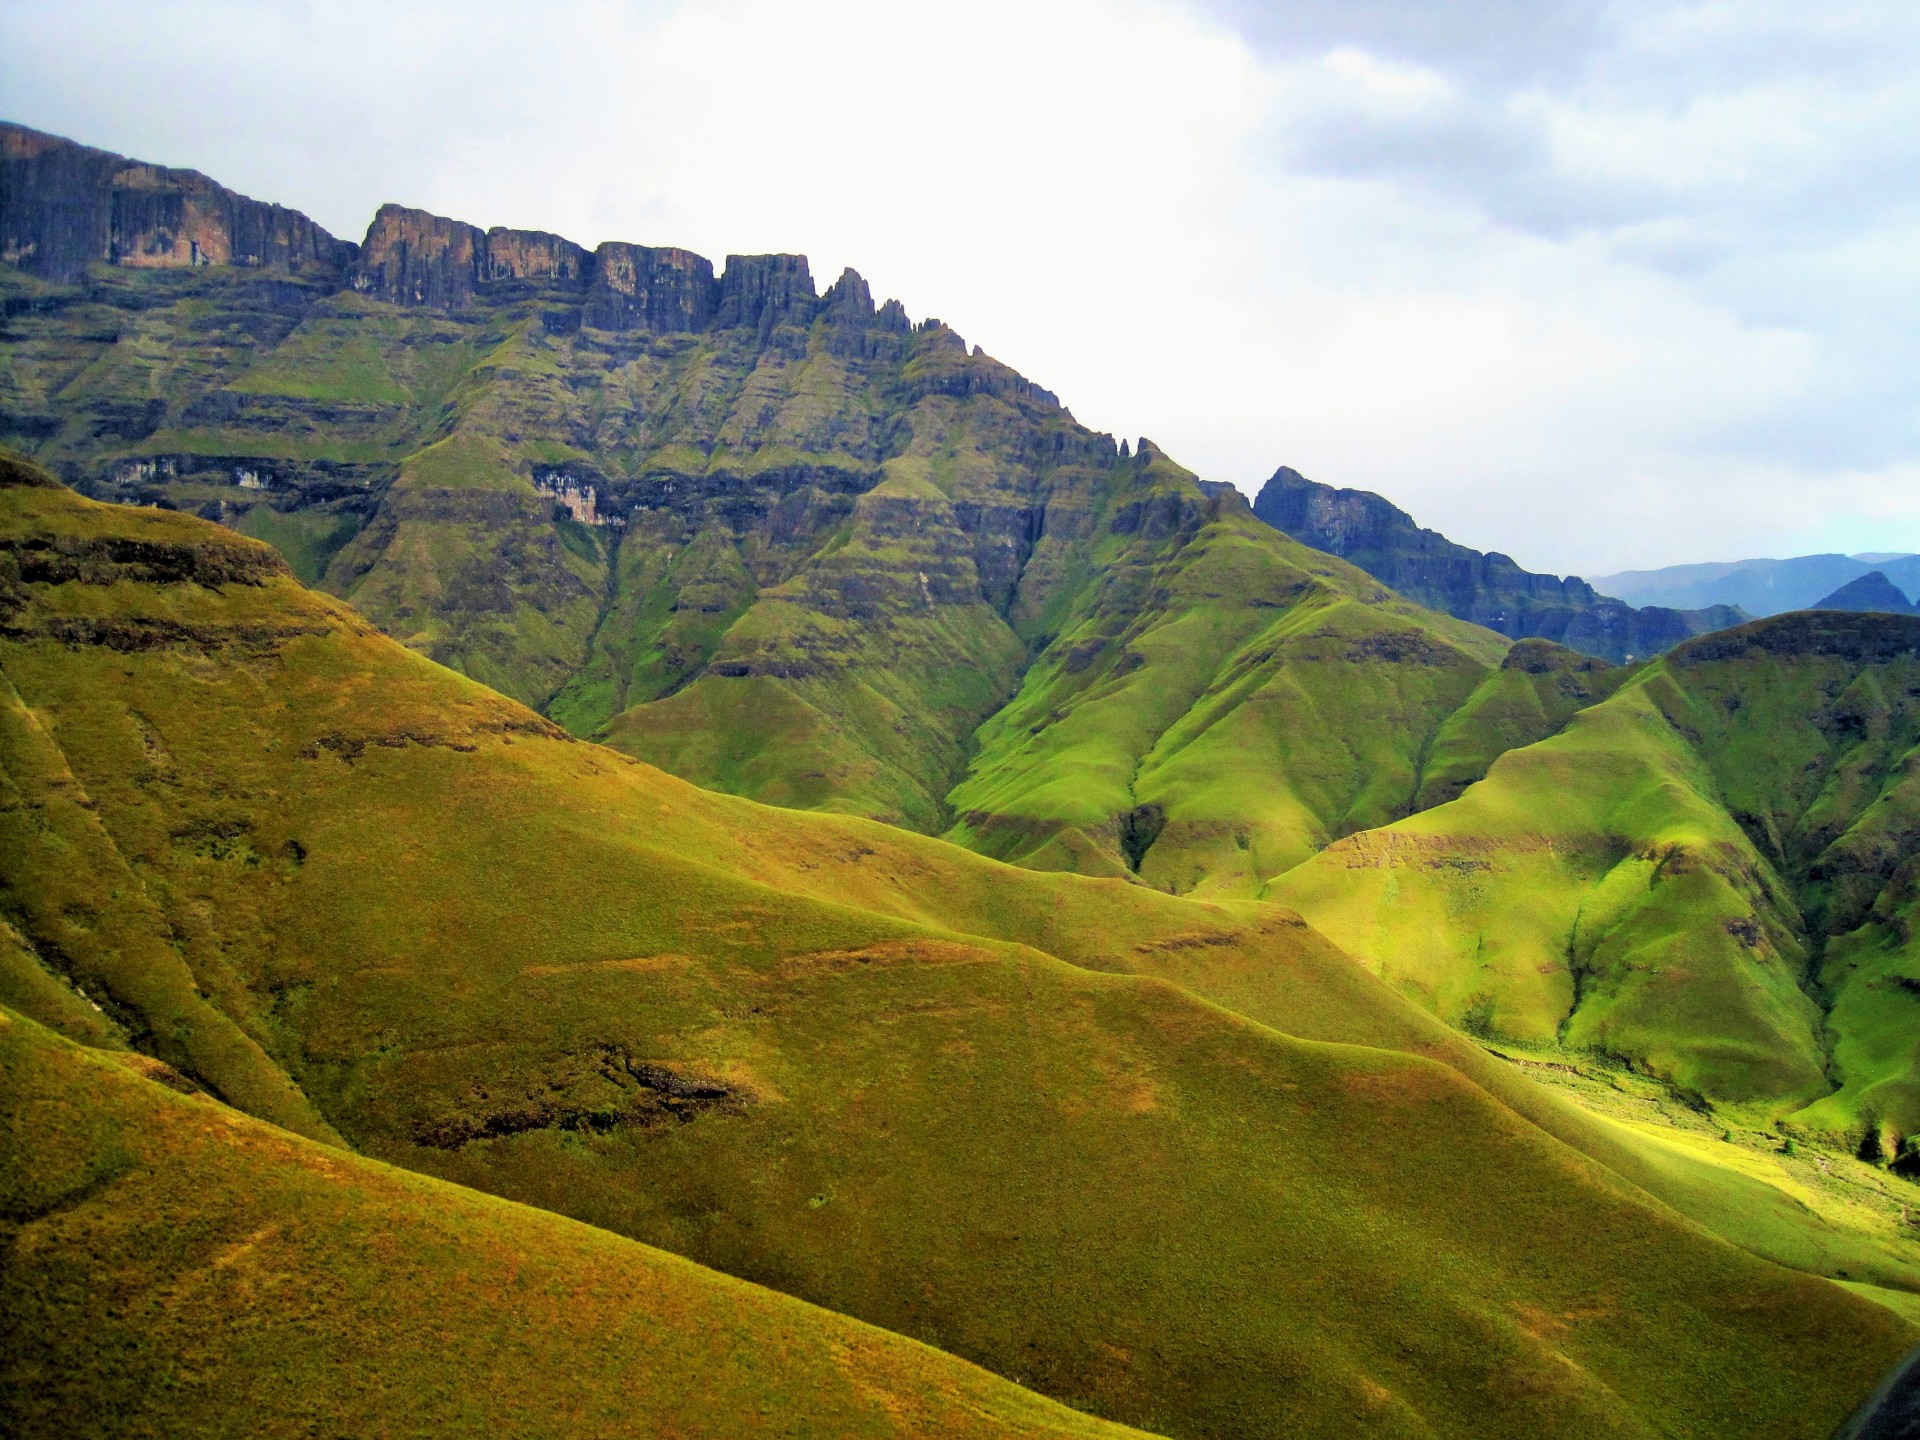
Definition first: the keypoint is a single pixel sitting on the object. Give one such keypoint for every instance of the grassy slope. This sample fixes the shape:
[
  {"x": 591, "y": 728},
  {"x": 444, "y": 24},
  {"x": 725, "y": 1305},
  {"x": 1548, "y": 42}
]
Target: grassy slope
[
  {"x": 856, "y": 683},
  {"x": 1202, "y": 681},
  {"x": 1597, "y": 888},
  {"x": 465, "y": 563},
  {"x": 1583, "y": 892},
  {"x": 853, "y": 686},
  {"x": 1537, "y": 689},
  {"x": 533, "y": 966},
  {"x": 175, "y": 1267},
  {"x": 1811, "y": 723}
]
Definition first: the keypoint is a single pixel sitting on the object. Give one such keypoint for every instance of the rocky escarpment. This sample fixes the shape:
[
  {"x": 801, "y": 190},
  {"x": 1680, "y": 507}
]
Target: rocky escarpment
[
  {"x": 640, "y": 287},
  {"x": 64, "y": 207},
  {"x": 1487, "y": 588},
  {"x": 413, "y": 258}
]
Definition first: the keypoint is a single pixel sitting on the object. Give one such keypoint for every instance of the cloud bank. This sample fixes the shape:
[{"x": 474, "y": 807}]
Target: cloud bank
[{"x": 1596, "y": 284}]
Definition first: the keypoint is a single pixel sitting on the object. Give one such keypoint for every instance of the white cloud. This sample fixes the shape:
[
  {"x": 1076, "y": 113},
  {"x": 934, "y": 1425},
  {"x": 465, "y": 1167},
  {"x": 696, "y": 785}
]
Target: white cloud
[{"x": 1639, "y": 288}]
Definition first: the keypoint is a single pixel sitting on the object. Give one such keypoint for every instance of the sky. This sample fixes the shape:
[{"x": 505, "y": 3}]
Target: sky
[{"x": 1599, "y": 285}]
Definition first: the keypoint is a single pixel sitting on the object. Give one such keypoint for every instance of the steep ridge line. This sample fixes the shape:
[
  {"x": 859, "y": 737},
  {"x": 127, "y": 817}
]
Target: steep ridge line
[{"x": 1486, "y": 588}]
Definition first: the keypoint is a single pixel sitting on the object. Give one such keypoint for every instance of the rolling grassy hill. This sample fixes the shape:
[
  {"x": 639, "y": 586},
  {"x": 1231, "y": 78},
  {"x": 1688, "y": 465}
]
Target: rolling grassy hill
[
  {"x": 1046, "y": 1116},
  {"x": 1707, "y": 874},
  {"x": 175, "y": 1267},
  {"x": 1177, "y": 1164}
]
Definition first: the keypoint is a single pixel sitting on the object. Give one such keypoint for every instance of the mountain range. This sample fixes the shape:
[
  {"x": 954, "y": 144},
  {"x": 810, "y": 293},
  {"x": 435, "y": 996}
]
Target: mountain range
[
  {"x": 1488, "y": 589},
  {"x": 576, "y": 799},
  {"x": 1759, "y": 587}
]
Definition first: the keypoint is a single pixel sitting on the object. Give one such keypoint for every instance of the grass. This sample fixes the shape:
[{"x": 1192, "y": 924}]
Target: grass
[
  {"x": 1704, "y": 875},
  {"x": 465, "y": 563},
  {"x": 176, "y": 1267},
  {"x": 1209, "y": 674},
  {"x": 855, "y": 684},
  {"x": 1592, "y": 891},
  {"x": 1001, "y": 1112}
]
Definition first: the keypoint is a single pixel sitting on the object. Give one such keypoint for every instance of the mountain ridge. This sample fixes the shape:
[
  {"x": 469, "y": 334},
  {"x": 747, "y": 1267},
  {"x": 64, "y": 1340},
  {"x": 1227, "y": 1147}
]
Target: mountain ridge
[
  {"x": 1487, "y": 588},
  {"x": 786, "y": 544}
]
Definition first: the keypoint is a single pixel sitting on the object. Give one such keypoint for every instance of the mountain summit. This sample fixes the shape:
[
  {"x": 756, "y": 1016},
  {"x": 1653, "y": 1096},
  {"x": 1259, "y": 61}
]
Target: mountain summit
[{"x": 1872, "y": 591}]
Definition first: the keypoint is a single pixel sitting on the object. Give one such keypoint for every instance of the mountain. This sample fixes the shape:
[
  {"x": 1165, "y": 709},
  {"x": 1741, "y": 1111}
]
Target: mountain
[
  {"x": 1872, "y": 591},
  {"x": 1486, "y": 588},
  {"x": 782, "y": 543},
  {"x": 1175, "y": 1164},
  {"x": 1708, "y": 875},
  {"x": 1759, "y": 587}
]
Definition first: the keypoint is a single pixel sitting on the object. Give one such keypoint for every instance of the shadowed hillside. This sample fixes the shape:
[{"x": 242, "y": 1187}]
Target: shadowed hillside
[{"x": 1487, "y": 589}]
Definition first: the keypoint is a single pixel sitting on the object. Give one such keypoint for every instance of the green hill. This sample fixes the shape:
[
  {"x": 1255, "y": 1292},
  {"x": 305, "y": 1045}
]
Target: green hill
[
  {"x": 175, "y": 1268},
  {"x": 368, "y": 897},
  {"x": 1707, "y": 874},
  {"x": 1175, "y": 1161}
]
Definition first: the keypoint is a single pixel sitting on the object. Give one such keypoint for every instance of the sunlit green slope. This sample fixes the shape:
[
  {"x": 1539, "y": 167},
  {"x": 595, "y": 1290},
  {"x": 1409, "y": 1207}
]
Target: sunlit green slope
[
  {"x": 854, "y": 685},
  {"x": 176, "y": 1268},
  {"x": 1219, "y": 702},
  {"x": 825, "y": 1055},
  {"x": 1687, "y": 877}
]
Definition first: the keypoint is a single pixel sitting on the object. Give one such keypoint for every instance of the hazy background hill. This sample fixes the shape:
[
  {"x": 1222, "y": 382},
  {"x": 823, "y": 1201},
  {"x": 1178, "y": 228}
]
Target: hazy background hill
[{"x": 1759, "y": 587}]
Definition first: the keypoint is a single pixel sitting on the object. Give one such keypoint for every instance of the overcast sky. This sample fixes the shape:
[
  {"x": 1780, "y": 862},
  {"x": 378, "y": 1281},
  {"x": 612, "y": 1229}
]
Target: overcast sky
[{"x": 1597, "y": 284}]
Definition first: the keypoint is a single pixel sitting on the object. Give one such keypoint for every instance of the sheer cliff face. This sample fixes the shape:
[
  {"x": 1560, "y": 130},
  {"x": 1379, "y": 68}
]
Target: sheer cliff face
[
  {"x": 1487, "y": 588},
  {"x": 413, "y": 258},
  {"x": 64, "y": 207}
]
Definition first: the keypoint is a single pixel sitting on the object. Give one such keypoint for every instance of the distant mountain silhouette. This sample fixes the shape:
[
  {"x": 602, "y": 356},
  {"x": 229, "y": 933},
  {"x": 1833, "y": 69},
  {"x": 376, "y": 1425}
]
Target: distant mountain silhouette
[
  {"x": 1872, "y": 591},
  {"x": 1760, "y": 587}
]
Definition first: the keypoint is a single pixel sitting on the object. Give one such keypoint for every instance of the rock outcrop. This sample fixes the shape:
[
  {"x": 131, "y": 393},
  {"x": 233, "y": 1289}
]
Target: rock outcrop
[
  {"x": 1487, "y": 588},
  {"x": 637, "y": 287},
  {"x": 64, "y": 207},
  {"x": 759, "y": 292},
  {"x": 411, "y": 257}
]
